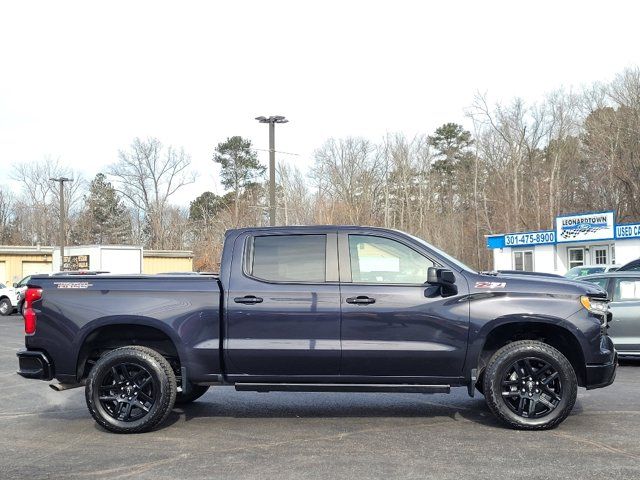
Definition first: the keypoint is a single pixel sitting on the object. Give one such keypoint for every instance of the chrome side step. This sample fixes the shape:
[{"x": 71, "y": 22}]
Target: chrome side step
[{"x": 340, "y": 387}]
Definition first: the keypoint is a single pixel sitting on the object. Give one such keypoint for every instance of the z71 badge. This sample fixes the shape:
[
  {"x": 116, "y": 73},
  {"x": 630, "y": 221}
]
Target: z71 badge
[{"x": 491, "y": 284}]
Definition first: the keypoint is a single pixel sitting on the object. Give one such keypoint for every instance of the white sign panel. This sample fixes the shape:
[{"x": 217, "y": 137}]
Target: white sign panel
[
  {"x": 587, "y": 226},
  {"x": 628, "y": 231}
]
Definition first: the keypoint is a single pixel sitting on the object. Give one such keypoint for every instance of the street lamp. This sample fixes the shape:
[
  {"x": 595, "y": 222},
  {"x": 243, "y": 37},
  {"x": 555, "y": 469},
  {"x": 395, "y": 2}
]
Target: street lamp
[
  {"x": 272, "y": 162},
  {"x": 61, "y": 181}
]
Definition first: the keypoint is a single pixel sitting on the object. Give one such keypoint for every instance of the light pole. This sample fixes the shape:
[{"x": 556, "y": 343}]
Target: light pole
[
  {"x": 272, "y": 162},
  {"x": 61, "y": 181}
]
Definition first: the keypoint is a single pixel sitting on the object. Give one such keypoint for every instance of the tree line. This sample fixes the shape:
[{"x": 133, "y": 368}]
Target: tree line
[{"x": 514, "y": 167}]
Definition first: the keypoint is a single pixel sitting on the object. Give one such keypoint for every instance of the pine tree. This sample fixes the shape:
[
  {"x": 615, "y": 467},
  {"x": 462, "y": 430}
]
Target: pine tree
[
  {"x": 105, "y": 219},
  {"x": 239, "y": 166},
  {"x": 205, "y": 207}
]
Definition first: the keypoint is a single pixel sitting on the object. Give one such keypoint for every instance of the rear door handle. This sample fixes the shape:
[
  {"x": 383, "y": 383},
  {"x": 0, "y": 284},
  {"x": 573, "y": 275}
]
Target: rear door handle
[
  {"x": 248, "y": 299},
  {"x": 361, "y": 300}
]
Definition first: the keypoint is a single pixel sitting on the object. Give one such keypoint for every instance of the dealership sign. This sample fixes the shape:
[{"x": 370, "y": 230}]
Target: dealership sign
[
  {"x": 570, "y": 228},
  {"x": 587, "y": 226},
  {"x": 628, "y": 231}
]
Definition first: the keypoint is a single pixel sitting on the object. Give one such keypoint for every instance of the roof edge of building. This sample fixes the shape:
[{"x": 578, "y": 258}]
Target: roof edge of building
[
  {"x": 168, "y": 253},
  {"x": 26, "y": 250}
]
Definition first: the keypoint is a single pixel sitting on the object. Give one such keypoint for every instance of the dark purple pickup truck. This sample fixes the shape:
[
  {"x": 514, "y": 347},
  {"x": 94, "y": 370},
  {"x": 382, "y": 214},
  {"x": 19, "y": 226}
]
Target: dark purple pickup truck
[{"x": 326, "y": 308}]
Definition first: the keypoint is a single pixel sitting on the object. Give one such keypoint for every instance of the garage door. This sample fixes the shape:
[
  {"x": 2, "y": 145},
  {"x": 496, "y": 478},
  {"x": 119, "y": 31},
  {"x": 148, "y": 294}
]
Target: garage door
[
  {"x": 31, "y": 268},
  {"x": 3, "y": 273}
]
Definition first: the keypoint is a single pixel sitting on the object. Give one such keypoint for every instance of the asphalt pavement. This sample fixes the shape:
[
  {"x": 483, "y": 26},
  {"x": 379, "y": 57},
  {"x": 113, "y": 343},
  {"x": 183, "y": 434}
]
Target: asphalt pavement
[{"x": 246, "y": 435}]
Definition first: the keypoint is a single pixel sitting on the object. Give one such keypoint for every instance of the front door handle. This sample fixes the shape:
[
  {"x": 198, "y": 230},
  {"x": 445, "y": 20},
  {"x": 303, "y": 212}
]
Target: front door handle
[
  {"x": 248, "y": 299},
  {"x": 361, "y": 300}
]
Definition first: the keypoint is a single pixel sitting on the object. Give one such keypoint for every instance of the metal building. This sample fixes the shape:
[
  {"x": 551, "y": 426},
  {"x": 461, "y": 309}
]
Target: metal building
[{"x": 17, "y": 262}]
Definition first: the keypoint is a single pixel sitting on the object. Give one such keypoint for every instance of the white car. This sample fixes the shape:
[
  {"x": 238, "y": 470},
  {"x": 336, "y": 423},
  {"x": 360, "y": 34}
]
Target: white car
[
  {"x": 21, "y": 288},
  {"x": 9, "y": 299}
]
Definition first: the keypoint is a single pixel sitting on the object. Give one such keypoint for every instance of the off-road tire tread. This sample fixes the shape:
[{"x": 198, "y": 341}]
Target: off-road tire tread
[{"x": 494, "y": 399}]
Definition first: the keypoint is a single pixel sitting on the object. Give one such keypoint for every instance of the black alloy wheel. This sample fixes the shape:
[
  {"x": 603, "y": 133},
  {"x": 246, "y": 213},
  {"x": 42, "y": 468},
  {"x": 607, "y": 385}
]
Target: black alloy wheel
[
  {"x": 531, "y": 387},
  {"x": 127, "y": 392}
]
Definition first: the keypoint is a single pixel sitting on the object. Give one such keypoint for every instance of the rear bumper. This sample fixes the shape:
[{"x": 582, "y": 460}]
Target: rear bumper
[
  {"x": 34, "y": 364},
  {"x": 599, "y": 376}
]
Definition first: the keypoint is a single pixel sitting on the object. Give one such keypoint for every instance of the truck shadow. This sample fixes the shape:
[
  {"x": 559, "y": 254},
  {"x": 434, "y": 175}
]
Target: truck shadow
[{"x": 224, "y": 402}]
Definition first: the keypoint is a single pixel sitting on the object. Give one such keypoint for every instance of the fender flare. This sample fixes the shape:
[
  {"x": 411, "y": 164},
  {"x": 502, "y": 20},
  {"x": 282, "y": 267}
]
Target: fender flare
[
  {"x": 478, "y": 339},
  {"x": 137, "y": 320}
]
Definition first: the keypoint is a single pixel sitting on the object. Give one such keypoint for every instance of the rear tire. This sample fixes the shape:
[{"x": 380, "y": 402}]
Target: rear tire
[
  {"x": 195, "y": 392},
  {"x": 530, "y": 385},
  {"x": 131, "y": 390}
]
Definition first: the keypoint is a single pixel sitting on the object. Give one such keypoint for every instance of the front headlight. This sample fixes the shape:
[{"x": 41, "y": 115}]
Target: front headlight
[{"x": 594, "y": 305}]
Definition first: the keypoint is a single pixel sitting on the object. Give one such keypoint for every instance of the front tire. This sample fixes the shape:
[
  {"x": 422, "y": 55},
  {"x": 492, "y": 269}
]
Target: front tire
[
  {"x": 131, "y": 390},
  {"x": 530, "y": 385}
]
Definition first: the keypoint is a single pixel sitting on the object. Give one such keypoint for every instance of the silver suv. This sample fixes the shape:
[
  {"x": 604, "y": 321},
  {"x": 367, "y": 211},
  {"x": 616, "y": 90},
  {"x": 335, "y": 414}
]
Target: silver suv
[{"x": 623, "y": 289}]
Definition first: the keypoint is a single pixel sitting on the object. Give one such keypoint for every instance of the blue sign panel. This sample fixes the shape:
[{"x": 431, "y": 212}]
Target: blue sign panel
[
  {"x": 495, "y": 241},
  {"x": 529, "y": 238},
  {"x": 628, "y": 231},
  {"x": 521, "y": 239}
]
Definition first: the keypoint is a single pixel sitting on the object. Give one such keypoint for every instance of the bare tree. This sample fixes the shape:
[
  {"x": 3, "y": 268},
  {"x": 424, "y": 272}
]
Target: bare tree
[
  {"x": 6, "y": 215},
  {"x": 296, "y": 206},
  {"x": 148, "y": 175},
  {"x": 349, "y": 170},
  {"x": 40, "y": 198}
]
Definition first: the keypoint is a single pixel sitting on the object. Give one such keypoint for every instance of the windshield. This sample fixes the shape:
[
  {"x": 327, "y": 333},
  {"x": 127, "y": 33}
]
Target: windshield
[
  {"x": 446, "y": 256},
  {"x": 581, "y": 271}
]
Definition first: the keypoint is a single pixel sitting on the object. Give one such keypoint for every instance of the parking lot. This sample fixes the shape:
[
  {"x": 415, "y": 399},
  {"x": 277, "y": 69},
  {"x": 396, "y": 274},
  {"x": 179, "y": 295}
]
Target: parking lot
[{"x": 229, "y": 434}]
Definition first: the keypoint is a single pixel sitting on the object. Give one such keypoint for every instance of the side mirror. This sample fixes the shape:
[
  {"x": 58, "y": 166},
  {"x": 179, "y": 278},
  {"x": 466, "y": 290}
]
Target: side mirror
[
  {"x": 15, "y": 285},
  {"x": 443, "y": 278}
]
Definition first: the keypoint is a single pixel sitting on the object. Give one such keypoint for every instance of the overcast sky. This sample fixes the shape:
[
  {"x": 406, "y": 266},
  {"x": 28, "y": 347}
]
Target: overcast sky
[{"x": 80, "y": 80}]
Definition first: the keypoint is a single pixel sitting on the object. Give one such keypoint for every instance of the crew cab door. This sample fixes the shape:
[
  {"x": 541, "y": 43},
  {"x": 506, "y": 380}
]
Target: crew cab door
[
  {"x": 393, "y": 323},
  {"x": 283, "y": 305}
]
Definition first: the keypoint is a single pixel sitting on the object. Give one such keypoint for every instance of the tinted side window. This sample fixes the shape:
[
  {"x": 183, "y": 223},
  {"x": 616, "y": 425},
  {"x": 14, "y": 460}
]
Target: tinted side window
[
  {"x": 381, "y": 260},
  {"x": 289, "y": 258},
  {"x": 626, "y": 289}
]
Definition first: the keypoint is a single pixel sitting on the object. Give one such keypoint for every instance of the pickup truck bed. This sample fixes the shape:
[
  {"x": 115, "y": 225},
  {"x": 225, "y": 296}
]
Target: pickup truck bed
[{"x": 182, "y": 309}]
